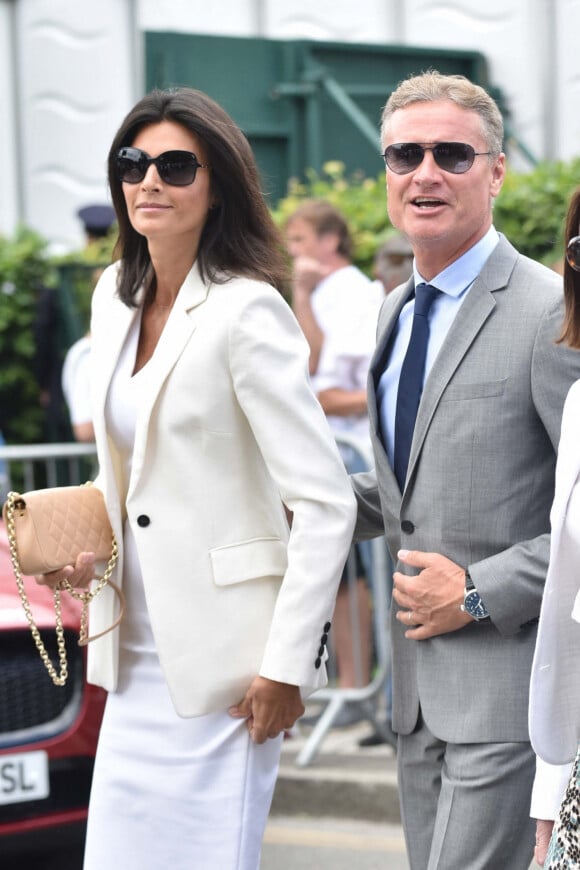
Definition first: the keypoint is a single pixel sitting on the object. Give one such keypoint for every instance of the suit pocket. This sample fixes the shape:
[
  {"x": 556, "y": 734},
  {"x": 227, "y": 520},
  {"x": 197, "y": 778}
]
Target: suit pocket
[
  {"x": 248, "y": 560},
  {"x": 483, "y": 390}
]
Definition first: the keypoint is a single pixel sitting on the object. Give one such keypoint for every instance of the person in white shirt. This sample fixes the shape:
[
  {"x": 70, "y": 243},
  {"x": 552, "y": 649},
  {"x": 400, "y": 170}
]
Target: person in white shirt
[
  {"x": 337, "y": 307},
  {"x": 76, "y": 388}
]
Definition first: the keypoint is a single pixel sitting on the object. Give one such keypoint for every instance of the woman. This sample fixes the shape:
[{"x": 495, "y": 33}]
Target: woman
[
  {"x": 555, "y": 692},
  {"x": 207, "y": 432}
]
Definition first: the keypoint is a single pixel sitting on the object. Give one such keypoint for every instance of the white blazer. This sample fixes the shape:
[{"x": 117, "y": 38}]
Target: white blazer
[
  {"x": 229, "y": 434},
  {"x": 554, "y": 715}
]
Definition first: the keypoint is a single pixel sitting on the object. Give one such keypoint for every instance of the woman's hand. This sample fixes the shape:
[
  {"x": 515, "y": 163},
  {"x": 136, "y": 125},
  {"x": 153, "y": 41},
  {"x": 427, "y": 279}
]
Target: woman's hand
[
  {"x": 269, "y": 707},
  {"x": 543, "y": 833},
  {"x": 78, "y": 575}
]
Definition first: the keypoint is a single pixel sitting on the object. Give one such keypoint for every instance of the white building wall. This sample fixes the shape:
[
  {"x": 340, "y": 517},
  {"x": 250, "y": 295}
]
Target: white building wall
[
  {"x": 74, "y": 67},
  {"x": 9, "y": 201},
  {"x": 565, "y": 95},
  {"x": 74, "y": 72}
]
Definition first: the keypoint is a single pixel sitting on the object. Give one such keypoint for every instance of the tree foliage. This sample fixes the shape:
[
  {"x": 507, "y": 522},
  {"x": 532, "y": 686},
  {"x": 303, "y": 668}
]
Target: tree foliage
[{"x": 530, "y": 209}]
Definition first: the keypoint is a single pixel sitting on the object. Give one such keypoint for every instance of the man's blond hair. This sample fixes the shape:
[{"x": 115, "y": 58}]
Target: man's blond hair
[{"x": 432, "y": 86}]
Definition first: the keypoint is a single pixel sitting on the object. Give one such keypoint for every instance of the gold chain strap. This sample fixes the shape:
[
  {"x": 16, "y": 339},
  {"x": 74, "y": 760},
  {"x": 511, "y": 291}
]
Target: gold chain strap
[{"x": 86, "y": 596}]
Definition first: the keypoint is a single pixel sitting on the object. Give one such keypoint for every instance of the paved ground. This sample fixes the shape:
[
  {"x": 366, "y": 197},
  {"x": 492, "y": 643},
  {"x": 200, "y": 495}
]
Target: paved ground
[
  {"x": 341, "y": 811},
  {"x": 343, "y": 779},
  {"x": 300, "y": 843}
]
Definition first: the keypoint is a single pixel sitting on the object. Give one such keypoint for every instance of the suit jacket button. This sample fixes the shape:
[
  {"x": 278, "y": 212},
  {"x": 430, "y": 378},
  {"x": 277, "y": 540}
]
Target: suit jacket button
[
  {"x": 326, "y": 627},
  {"x": 143, "y": 520},
  {"x": 407, "y": 527},
  {"x": 317, "y": 663}
]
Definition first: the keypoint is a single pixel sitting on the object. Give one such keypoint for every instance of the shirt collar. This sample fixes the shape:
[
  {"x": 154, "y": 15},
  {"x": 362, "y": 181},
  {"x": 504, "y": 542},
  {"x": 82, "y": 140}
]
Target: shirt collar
[{"x": 456, "y": 278}]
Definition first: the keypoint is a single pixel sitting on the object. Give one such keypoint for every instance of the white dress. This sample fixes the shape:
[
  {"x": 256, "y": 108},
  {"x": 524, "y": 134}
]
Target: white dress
[{"x": 185, "y": 794}]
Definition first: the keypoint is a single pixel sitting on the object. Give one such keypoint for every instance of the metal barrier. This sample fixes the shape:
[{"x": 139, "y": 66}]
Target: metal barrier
[
  {"x": 40, "y": 462},
  {"x": 365, "y": 697},
  {"x": 39, "y": 465}
]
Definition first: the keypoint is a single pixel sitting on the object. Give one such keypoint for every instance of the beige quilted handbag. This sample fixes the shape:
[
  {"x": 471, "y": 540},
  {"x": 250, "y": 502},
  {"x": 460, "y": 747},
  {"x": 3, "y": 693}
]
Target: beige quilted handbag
[{"x": 47, "y": 529}]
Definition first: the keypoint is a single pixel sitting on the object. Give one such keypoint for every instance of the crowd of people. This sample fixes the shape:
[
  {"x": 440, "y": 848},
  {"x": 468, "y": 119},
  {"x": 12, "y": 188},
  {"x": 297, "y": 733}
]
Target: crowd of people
[{"x": 215, "y": 407}]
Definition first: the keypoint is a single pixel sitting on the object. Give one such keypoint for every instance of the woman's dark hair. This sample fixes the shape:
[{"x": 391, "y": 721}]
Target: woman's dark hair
[
  {"x": 239, "y": 237},
  {"x": 571, "y": 328}
]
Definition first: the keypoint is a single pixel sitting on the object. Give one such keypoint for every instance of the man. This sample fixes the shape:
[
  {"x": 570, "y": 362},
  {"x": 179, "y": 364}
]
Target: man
[
  {"x": 463, "y": 491},
  {"x": 337, "y": 308},
  {"x": 97, "y": 221},
  {"x": 393, "y": 263}
]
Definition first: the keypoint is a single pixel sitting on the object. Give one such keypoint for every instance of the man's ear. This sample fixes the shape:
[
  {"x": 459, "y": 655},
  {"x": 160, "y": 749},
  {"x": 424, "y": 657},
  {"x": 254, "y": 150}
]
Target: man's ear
[
  {"x": 498, "y": 175},
  {"x": 329, "y": 242}
]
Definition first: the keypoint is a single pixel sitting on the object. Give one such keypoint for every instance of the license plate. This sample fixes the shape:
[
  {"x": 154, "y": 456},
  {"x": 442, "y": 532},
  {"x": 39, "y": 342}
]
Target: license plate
[{"x": 24, "y": 777}]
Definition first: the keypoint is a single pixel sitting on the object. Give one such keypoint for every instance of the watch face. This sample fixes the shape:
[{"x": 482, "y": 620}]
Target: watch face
[{"x": 474, "y": 605}]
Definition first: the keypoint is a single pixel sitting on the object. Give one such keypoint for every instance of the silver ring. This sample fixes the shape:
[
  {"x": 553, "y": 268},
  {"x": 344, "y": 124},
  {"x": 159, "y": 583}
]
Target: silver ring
[{"x": 409, "y": 614}]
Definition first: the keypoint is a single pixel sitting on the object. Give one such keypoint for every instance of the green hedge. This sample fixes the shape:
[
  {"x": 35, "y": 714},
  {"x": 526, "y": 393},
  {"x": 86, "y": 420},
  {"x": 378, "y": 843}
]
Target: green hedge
[
  {"x": 24, "y": 269},
  {"x": 530, "y": 209}
]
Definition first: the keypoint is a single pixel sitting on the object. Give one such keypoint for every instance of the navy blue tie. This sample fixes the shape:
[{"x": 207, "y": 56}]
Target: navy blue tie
[{"x": 411, "y": 380}]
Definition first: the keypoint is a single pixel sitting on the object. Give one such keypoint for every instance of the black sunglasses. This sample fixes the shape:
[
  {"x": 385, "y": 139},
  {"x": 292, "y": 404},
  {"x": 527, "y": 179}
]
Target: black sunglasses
[
  {"x": 455, "y": 157},
  {"x": 573, "y": 253},
  {"x": 177, "y": 168}
]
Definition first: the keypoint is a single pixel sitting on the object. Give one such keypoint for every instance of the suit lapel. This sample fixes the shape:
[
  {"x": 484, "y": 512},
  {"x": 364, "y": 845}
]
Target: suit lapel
[
  {"x": 388, "y": 319},
  {"x": 471, "y": 317},
  {"x": 176, "y": 334},
  {"x": 119, "y": 319}
]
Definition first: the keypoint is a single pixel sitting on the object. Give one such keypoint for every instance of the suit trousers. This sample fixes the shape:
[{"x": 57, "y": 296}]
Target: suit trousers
[{"x": 465, "y": 806}]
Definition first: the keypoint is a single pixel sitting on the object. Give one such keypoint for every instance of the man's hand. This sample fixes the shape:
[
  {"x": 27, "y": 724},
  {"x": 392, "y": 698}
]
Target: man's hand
[
  {"x": 307, "y": 274},
  {"x": 269, "y": 708},
  {"x": 430, "y": 601},
  {"x": 544, "y": 829}
]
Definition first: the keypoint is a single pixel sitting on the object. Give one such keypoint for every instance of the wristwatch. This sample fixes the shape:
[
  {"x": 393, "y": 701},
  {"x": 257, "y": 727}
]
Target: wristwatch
[{"x": 472, "y": 602}]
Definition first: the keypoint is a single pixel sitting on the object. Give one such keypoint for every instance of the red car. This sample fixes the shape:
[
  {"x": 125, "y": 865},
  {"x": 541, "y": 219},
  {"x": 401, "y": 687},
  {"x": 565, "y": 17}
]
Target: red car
[{"x": 48, "y": 734}]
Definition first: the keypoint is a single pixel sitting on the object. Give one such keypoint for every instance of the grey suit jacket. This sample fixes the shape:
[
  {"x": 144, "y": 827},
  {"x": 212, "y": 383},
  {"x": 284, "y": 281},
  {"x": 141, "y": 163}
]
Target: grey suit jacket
[{"x": 479, "y": 489}]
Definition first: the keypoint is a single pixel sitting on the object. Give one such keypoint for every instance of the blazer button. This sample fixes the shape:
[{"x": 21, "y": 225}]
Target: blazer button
[
  {"x": 317, "y": 663},
  {"x": 407, "y": 527},
  {"x": 143, "y": 520}
]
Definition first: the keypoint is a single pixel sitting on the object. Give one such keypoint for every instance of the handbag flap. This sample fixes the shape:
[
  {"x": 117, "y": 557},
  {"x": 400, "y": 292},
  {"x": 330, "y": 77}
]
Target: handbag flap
[{"x": 52, "y": 526}]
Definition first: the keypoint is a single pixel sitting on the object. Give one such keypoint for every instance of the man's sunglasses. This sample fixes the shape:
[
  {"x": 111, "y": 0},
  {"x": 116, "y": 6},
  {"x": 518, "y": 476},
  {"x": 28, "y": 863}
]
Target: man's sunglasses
[
  {"x": 177, "y": 168},
  {"x": 455, "y": 157},
  {"x": 573, "y": 253}
]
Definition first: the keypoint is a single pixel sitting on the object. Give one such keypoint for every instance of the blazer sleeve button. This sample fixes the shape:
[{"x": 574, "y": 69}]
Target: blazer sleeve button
[
  {"x": 321, "y": 650},
  {"x": 143, "y": 520},
  {"x": 317, "y": 663},
  {"x": 326, "y": 627}
]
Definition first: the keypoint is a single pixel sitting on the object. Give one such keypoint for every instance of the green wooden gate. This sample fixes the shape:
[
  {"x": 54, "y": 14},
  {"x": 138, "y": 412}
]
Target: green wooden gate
[{"x": 300, "y": 103}]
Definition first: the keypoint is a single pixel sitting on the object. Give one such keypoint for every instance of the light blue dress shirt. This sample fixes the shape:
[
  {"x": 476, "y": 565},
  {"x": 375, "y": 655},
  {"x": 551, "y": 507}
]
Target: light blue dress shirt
[{"x": 454, "y": 283}]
